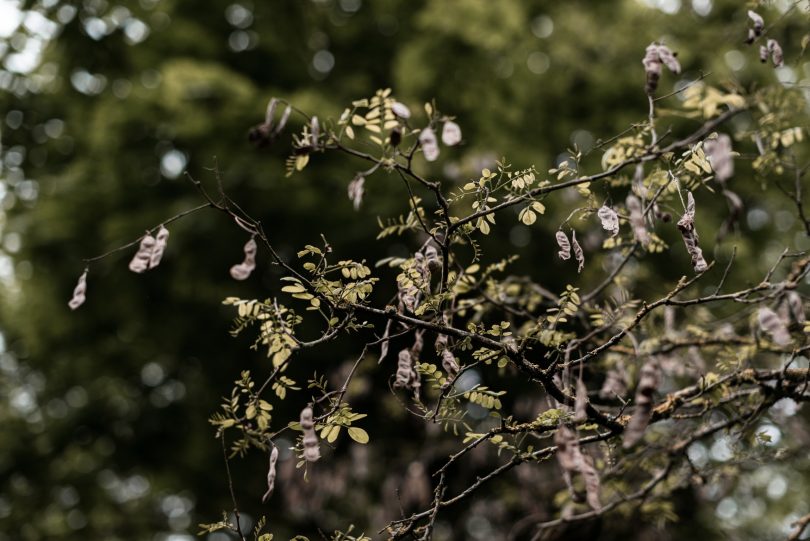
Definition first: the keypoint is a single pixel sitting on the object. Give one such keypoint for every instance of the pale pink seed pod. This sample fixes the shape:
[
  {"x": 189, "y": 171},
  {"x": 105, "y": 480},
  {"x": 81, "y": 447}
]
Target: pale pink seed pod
[
  {"x": 592, "y": 483},
  {"x": 796, "y": 307},
  {"x": 777, "y": 56},
  {"x": 404, "y": 369},
  {"x": 652, "y": 67},
  {"x": 669, "y": 59},
  {"x": 581, "y": 402},
  {"x": 609, "y": 219},
  {"x": 752, "y": 35},
  {"x": 763, "y": 54},
  {"x": 718, "y": 151},
  {"x": 432, "y": 256},
  {"x": 773, "y": 325},
  {"x": 615, "y": 384},
  {"x": 242, "y": 270},
  {"x": 401, "y": 110},
  {"x": 285, "y": 116},
  {"x": 647, "y": 385},
  {"x": 640, "y": 232},
  {"x": 161, "y": 239},
  {"x": 79, "y": 292},
  {"x": 356, "y": 191},
  {"x": 268, "y": 115},
  {"x": 449, "y": 363},
  {"x": 686, "y": 225},
  {"x": 315, "y": 129},
  {"x": 430, "y": 146},
  {"x": 271, "y": 474},
  {"x": 310, "y": 441},
  {"x": 451, "y": 133},
  {"x": 579, "y": 255},
  {"x": 567, "y": 448},
  {"x": 140, "y": 262},
  {"x": 565, "y": 246},
  {"x": 757, "y": 21}
]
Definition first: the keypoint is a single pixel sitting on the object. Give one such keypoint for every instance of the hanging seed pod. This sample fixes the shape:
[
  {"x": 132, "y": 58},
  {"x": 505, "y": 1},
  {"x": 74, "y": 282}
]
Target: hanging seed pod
[
  {"x": 647, "y": 385},
  {"x": 140, "y": 262},
  {"x": 311, "y": 450},
  {"x": 565, "y": 246},
  {"x": 271, "y": 474},
  {"x": 669, "y": 59},
  {"x": 690, "y": 237},
  {"x": 451, "y": 133},
  {"x": 385, "y": 341},
  {"x": 430, "y": 146},
  {"x": 751, "y": 36},
  {"x": 315, "y": 131},
  {"x": 579, "y": 255},
  {"x": 401, "y": 110},
  {"x": 637, "y": 220},
  {"x": 404, "y": 369},
  {"x": 796, "y": 306},
  {"x": 777, "y": 56},
  {"x": 242, "y": 270},
  {"x": 449, "y": 363},
  {"x": 655, "y": 56},
  {"x": 79, "y": 291},
  {"x": 567, "y": 448},
  {"x": 718, "y": 151},
  {"x": 763, "y": 54},
  {"x": 757, "y": 21},
  {"x": 432, "y": 256},
  {"x": 591, "y": 478},
  {"x": 609, "y": 219},
  {"x": 581, "y": 402},
  {"x": 774, "y": 326},
  {"x": 160, "y": 245},
  {"x": 356, "y": 190},
  {"x": 615, "y": 384},
  {"x": 285, "y": 116}
]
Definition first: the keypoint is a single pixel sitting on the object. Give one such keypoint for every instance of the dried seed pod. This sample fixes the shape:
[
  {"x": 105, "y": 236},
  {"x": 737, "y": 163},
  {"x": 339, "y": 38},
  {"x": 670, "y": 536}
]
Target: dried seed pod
[
  {"x": 565, "y": 246},
  {"x": 79, "y": 292},
  {"x": 242, "y": 270},
  {"x": 401, "y": 110},
  {"x": 356, "y": 190},
  {"x": 777, "y": 56},
  {"x": 310, "y": 441},
  {"x": 451, "y": 133},
  {"x": 690, "y": 237},
  {"x": 404, "y": 369},
  {"x": 654, "y": 56},
  {"x": 796, "y": 306},
  {"x": 160, "y": 245},
  {"x": 757, "y": 21},
  {"x": 579, "y": 255},
  {"x": 430, "y": 146},
  {"x": 591, "y": 478},
  {"x": 669, "y": 59},
  {"x": 315, "y": 131},
  {"x": 637, "y": 220},
  {"x": 615, "y": 384},
  {"x": 567, "y": 448},
  {"x": 140, "y": 262},
  {"x": 772, "y": 324},
  {"x": 718, "y": 151},
  {"x": 285, "y": 116},
  {"x": 271, "y": 474},
  {"x": 385, "y": 341},
  {"x": 647, "y": 385},
  {"x": 432, "y": 256},
  {"x": 751, "y": 36},
  {"x": 573, "y": 461},
  {"x": 581, "y": 403},
  {"x": 609, "y": 219},
  {"x": 763, "y": 54},
  {"x": 449, "y": 363}
]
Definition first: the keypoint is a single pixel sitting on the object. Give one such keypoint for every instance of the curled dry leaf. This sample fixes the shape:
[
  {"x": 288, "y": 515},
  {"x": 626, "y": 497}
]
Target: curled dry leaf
[
  {"x": 430, "y": 146},
  {"x": 271, "y": 474},
  {"x": 79, "y": 292},
  {"x": 774, "y": 326},
  {"x": 242, "y": 270},
  {"x": 140, "y": 262},
  {"x": 647, "y": 385},
  {"x": 719, "y": 153},
  {"x": 565, "y": 246},
  {"x": 686, "y": 225},
  {"x": 451, "y": 133},
  {"x": 310, "y": 441},
  {"x": 579, "y": 255},
  {"x": 356, "y": 191},
  {"x": 609, "y": 219}
]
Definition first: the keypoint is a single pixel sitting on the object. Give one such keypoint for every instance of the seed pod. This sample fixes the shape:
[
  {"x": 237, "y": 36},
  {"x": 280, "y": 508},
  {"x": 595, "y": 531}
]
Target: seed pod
[
  {"x": 690, "y": 237},
  {"x": 669, "y": 59},
  {"x": 356, "y": 190},
  {"x": 777, "y": 57},
  {"x": 401, "y": 110},
  {"x": 615, "y": 384},
  {"x": 565, "y": 246},
  {"x": 609, "y": 219},
  {"x": 751, "y": 36},
  {"x": 404, "y": 369},
  {"x": 271, "y": 474},
  {"x": 430, "y": 146},
  {"x": 591, "y": 478},
  {"x": 579, "y": 255},
  {"x": 772, "y": 324},
  {"x": 140, "y": 262},
  {"x": 451, "y": 133},
  {"x": 654, "y": 56},
  {"x": 79, "y": 291},
  {"x": 796, "y": 307},
  {"x": 268, "y": 115},
  {"x": 718, "y": 151},
  {"x": 449, "y": 363},
  {"x": 432, "y": 256},
  {"x": 315, "y": 131},
  {"x": 567, "y": 448},
  {"x": 581, "y": 403},
  {"x": 637, "y": 220},
  {"x": 242, "y": 270},
  {"x": 310, "y": 441},
  {"x": 757, "y": 21},
  {"x": 285, "y": 116},
  {"x": 160, "y": 245},
  {"x": 647, "y": 385}
]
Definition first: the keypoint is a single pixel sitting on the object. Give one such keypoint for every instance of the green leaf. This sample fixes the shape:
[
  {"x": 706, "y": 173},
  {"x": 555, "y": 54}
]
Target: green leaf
[{"x": 358, "y": 434}]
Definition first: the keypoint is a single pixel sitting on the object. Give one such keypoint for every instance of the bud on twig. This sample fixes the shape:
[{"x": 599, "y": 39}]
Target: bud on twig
[{"x": 79, "y": 292}]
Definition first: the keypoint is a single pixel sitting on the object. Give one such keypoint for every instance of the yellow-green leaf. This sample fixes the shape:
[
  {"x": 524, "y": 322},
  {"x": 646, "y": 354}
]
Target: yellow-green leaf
[{"x": 358, "y": 434}]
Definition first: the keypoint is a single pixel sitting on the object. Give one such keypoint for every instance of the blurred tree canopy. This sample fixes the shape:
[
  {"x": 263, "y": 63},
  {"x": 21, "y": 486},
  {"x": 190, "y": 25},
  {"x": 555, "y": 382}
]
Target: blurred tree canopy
[{"x": 105, "y": 106}]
